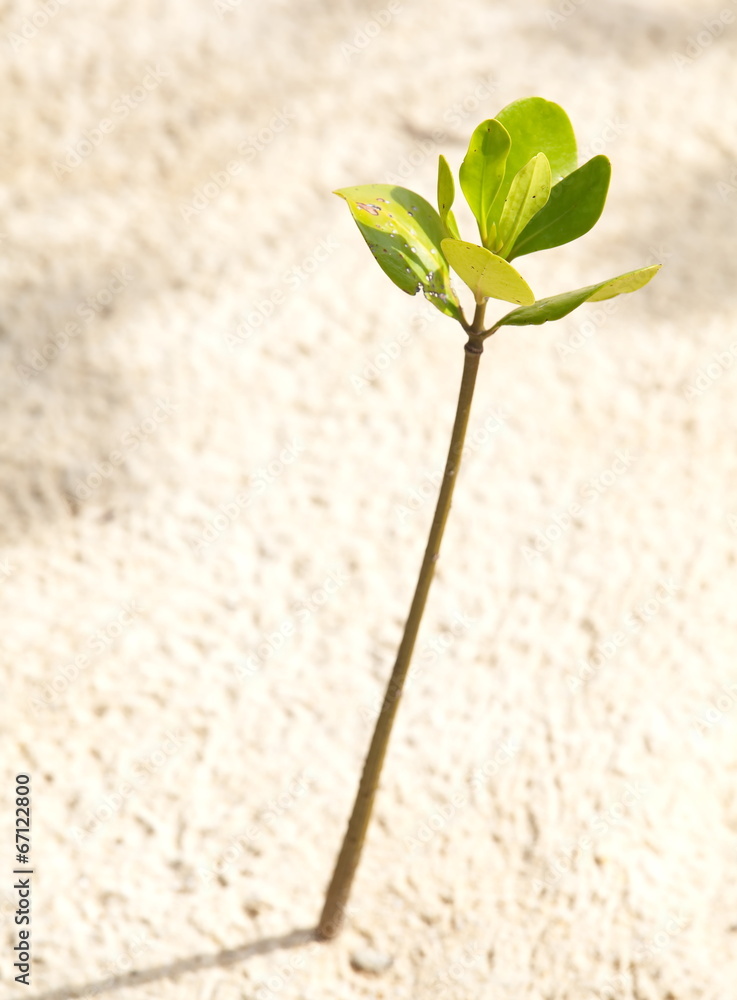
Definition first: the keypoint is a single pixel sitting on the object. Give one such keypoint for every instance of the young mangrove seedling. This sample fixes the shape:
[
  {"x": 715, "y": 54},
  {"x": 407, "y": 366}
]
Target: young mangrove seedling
[{"x": 527, "y": 193}]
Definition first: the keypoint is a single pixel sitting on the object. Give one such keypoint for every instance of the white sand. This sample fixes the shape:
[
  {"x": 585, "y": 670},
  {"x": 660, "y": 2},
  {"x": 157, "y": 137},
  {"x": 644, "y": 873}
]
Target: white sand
[{"x": 617, "y": 766}]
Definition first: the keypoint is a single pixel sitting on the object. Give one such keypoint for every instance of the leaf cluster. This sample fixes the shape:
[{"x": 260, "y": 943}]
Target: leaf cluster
[{"x": 522, "y": 182}]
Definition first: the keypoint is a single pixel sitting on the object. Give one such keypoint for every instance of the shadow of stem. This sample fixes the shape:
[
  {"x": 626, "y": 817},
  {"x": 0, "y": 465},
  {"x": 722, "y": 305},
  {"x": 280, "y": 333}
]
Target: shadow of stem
[{"x": 139, "y": 977}]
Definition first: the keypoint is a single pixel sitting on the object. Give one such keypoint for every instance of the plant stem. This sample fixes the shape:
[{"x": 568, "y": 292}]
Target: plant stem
[{"x": 333, "y": 913}]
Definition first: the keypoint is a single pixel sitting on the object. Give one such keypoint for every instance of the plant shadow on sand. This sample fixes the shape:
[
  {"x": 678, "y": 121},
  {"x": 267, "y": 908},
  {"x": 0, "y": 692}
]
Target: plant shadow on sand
[{"x": 219, "y": 959}]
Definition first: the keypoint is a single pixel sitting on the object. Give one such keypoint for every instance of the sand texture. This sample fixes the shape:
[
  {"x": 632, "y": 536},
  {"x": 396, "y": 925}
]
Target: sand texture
[{"x": 222, "y": 429}]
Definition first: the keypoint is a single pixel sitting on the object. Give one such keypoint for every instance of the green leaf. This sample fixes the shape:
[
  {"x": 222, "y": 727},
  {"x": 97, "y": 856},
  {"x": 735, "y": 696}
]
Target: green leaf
[
  {"x": 536, "y": 126},
  {"x": 560, "y": 305},
  {"x": 574, "y": 206},
  {"x": 446, "y": 193},
  {"x": 446, "y": 196},
  {"x": 451, "y": 226},
  {"x": 482, "y": 170},
  {"x": 528, "y": 194},
  {"x": 487, "y": 275},
  {"x": 404, "y": 232},
  {"x": 493, "y": 242}
]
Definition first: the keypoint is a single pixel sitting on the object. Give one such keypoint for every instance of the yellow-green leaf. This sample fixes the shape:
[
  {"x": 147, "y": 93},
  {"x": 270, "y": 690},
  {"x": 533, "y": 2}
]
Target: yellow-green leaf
[
  {"x": 404, "y": 232},
  {"x": 536, "y": 126},
  {"x": 446, "y": 195},
  {"x": 486, "y": 274},
  {"x": 529, "y": 193},
  {"x": 574, "y": 206},
  {"x": 558, "y": 306},
  {"x": 482, "y": 170},
  {"x": 451, "y": 226},
  {"x": 632, "y": 281}
]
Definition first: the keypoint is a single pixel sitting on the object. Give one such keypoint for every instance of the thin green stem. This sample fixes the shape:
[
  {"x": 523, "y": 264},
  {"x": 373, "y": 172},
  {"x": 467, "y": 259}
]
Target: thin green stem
[{"x": 339, "y": 889}]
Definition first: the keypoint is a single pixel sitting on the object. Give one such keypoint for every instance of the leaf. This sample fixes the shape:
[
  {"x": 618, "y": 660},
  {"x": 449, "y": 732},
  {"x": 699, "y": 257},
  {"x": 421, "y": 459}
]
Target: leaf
[
  {"x": 528, "y": 194},
  {"x": 536, "y": 126},
  {"x": 493, "y": 242},
  {"x": 404, "y": 232},
  {"x": 482, "y": 170},
  {"x": 560, "y": 305},
  {"x": 487, "y": 275},
  {"x": 446, "y": 196},
  {"x": 451, "y": 226},
  {"x": 574, "y": 206},
  {"x": 446, "y": 193}
]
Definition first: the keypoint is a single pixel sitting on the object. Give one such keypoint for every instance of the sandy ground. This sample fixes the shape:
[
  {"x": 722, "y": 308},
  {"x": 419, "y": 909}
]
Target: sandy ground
[{"x": 220, "y": 428}]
